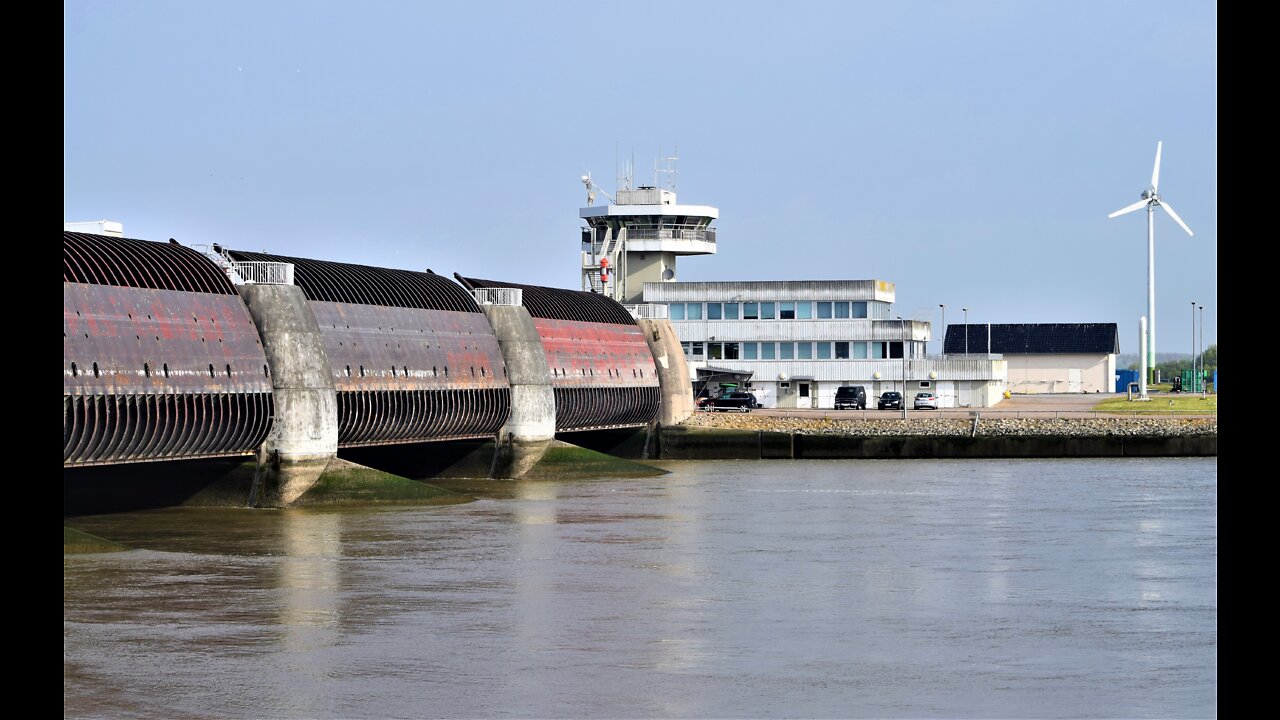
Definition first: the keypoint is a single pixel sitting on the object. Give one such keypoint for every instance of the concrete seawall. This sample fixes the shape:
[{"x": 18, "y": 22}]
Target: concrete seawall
[{"x": 686, "y": 443}]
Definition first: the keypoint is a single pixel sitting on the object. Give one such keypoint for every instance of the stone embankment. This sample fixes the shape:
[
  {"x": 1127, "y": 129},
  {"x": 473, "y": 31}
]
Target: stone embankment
[{"x": 920, "y": 426}]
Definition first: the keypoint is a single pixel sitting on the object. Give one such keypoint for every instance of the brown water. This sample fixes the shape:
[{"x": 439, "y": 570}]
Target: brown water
[{"x": 973, "y": 588}]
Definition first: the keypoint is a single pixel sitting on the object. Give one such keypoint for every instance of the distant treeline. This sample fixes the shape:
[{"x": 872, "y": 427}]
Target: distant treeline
[{"x": 1170, "y": 364}]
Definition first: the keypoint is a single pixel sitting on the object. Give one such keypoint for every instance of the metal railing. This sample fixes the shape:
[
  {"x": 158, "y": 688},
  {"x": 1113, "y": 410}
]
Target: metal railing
[
  {"x": 499, "y": 296},
  {"x": 263, "y": 273},
  {"x": 703, "y": 234},
  {"x": 648, "y": 311}
]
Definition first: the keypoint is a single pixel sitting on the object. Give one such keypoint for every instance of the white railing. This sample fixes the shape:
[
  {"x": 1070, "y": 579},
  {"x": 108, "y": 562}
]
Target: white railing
[
  {"x": 670, "y": 233},
  {"x": 263, "y": 273},
  {"x": 648, "y": 311},
  {"x": 499, "y": 296}
]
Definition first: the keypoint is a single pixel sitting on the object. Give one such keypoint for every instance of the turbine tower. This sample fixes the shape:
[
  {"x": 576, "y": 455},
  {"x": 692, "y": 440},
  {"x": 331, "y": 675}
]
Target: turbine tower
[{"x": 1151, "y": 200}]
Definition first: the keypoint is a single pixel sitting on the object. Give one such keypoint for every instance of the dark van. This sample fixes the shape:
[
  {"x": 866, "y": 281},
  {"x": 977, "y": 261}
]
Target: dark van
[{"x": 851, "y": 397}]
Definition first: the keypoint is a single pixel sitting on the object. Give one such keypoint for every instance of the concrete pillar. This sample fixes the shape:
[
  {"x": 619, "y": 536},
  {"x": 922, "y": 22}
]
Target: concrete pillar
[
  {"x": 304, "y": 434},
  {"x": 531, "y": 427},
  {"x": 673, "y": 371}
]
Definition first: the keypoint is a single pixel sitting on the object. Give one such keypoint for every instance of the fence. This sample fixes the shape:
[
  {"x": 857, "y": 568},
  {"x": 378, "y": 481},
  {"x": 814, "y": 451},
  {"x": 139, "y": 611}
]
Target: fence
[
  {"x": 499, "y": 296},
  {"x": 264, "y": 273},
  {"x": 648, "y": 311}
]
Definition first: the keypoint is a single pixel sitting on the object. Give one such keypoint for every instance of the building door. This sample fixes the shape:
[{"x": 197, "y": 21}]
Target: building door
[
  {"x": 1073, "y": 380},
  {"x": 802, "y": 396},
  {"x": 965, "y": 398},
  {"x": 946, "y": 393}
]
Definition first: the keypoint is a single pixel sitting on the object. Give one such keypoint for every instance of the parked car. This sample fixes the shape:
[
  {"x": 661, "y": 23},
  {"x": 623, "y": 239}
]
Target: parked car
[
  {"x": 890, "y": 400},
  {"x": 926, "y": 401},
  {"x": 740, "y": 401},
  {"x": 851, "y": 397}
]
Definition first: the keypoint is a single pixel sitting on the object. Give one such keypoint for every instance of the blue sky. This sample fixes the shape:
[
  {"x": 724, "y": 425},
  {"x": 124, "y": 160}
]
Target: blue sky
[{"x": 967, "y": 151}]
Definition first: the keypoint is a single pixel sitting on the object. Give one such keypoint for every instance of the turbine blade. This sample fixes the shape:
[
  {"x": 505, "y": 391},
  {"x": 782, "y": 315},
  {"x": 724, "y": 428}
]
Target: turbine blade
[
  {"x": 1155, "y": 171},
  {"x": 1174, "y": 215},
  {"x": 1136, "y": 206}
]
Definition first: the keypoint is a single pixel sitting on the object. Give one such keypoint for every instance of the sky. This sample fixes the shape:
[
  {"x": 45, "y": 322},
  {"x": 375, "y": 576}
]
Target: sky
[{"x": 967, "y": 151}]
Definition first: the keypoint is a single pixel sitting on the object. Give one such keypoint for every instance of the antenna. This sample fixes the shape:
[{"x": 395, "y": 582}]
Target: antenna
[{"x": 669, "y": 170}]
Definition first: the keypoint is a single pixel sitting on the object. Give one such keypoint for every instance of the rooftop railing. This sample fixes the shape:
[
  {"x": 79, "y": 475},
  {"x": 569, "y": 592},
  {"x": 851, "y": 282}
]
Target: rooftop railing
[{"x": 499, "y": 296}]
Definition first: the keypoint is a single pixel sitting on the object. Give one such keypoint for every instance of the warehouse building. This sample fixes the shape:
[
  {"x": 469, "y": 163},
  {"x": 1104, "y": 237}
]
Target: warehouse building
[{"x": 1045, "y": 357}]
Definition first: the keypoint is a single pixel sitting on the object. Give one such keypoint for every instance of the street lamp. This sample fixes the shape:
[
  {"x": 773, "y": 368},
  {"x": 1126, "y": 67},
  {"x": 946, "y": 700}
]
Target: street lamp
[
  {"x": 902, "y": 324},
  {"x": 1193, "y": 341},
  {"x": 1204, "y": 391},
  {"x": 944, "y": 330},
  {"x": 966, "y": 330}
]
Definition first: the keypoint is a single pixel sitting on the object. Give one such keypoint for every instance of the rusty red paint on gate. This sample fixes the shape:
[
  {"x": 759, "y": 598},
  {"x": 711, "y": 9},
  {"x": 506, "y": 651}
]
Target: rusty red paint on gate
[
  {"x": 603, "y": 374},
  {"x": 152, "y": 396},
  {"x": 412, "y": 375}
]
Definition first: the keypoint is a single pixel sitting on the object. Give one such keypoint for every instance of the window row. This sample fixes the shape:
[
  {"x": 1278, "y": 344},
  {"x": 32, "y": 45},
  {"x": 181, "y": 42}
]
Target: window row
[
  {"x": 822, "y": 350},
  {"x": 797, "y": 310}
]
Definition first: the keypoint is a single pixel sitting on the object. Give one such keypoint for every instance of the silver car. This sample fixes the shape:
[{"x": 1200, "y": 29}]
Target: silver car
[{"x": 926, "y": 401}]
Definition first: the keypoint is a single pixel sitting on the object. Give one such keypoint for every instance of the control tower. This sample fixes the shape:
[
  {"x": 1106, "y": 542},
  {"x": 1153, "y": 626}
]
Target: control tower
[{"x": 637, "y": 237}]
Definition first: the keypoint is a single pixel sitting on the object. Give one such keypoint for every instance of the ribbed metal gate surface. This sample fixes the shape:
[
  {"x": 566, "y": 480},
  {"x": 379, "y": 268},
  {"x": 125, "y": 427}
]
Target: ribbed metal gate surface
[
  {"x": 161, "y": 360},
  {"x": 602, "y": 371},
  {"x": 413, "y": 358}
]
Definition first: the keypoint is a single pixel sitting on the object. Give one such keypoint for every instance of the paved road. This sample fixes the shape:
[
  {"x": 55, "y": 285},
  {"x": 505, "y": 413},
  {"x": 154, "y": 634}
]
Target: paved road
[{"x": 1029, "y": 406}]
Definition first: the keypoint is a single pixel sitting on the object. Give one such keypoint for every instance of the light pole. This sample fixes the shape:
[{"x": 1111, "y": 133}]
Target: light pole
[
  {"x": 902, "y": 324},
  {"x": 1193, "y": 340},
  {"x": 966, "y": 330},
  {"x": 1204, "y": 391},
  {"x": 944, "y": 331}
]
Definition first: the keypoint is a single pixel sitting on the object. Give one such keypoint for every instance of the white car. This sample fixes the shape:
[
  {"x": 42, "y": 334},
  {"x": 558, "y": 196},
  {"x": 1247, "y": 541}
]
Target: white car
[{"x": 926, "y": 401}]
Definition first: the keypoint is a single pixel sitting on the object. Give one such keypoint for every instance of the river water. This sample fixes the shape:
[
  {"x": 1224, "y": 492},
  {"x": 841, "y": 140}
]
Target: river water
[{"x": 792, "y": 588}]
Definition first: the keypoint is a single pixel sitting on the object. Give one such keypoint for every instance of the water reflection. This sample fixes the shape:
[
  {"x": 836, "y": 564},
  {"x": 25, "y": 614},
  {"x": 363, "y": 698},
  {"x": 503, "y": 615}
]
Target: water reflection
[
  {"x": 308, "y": 580},
  {"x": 743, "y": 589}
]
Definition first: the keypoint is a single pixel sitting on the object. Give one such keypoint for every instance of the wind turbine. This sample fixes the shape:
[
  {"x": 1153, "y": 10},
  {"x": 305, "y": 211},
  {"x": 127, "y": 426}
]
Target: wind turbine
[{"x": 1151, "y": 200}]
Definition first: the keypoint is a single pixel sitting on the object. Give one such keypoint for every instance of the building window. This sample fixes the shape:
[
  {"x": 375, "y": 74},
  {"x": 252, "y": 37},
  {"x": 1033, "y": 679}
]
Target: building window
[
  {"x": 842, "y": 351},
  {"x": 693, "y": 311},
  {"x": 925, "y": 384},
  {"x": 687, "y": 350},
  {"x": 766, "y": 311},
  {"x": 713, "y": 311},
  {"x": 787, "y": 311},
  {"x": 731, "y": 351},
  {"x": 877, "y": 350},
  {"x": 804, "y": 310},
  {"x": 842, "y": 310},
  {"x": 676, "y": 311},
  {"x": 859, "y": 310},
  {"x": 767, "y": 351},
  {"x": 895, "y": 350},
  {"x": 750, "y": 311},
  {"x": 731, "y": 311},
  {"x": 824, "y": 351},
  {"x": 786, "y": 351},
  {"x": 824, "y": 311},
  {"x": 750, "y": 351},
  {"x": 697, "y": 349},
  {"x": 715, "y": 351},
  {"x": 860, "y": 351},
  {"x": 804, "y": 351}
]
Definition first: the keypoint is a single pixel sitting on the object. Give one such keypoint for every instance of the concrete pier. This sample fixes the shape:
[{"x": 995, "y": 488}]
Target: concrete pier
[
  {"x": 531, "y": 426},
  {"x": 673, "y": 371},
  {"x": 304, "y": 436}
]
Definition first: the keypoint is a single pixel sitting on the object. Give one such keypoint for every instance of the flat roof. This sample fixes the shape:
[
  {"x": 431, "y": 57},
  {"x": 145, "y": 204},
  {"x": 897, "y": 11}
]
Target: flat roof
[{"x": 756, "y": 290}]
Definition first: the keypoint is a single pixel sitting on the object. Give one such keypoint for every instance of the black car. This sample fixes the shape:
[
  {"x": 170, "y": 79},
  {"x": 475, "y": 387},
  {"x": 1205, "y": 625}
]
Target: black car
[
  {"x": 851, "y": 397},
  {"x": 740, "y": 401},
  {"x": 891, "y": 400}
]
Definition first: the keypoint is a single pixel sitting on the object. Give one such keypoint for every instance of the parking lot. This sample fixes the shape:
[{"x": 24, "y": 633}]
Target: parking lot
[{"x": 1028, "y": 406}]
